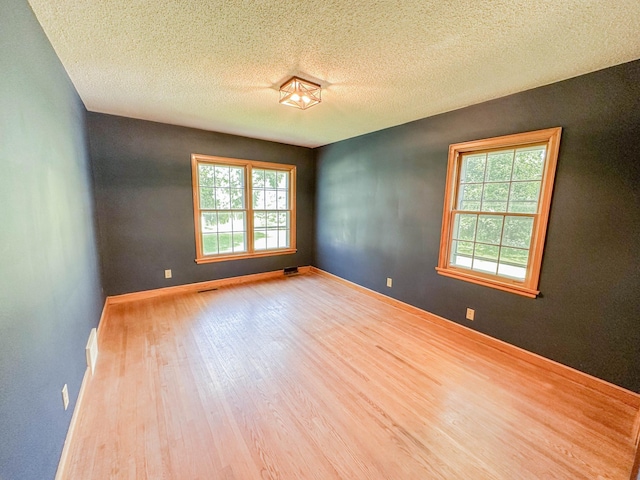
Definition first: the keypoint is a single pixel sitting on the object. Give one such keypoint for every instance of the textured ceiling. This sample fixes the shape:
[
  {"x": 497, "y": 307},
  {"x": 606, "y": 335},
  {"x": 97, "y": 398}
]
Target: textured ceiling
[{"x": 217, "y": 65}]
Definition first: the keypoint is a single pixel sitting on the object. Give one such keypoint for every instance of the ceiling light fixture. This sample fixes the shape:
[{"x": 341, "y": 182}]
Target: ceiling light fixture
[{"x": 300, "y": 93}]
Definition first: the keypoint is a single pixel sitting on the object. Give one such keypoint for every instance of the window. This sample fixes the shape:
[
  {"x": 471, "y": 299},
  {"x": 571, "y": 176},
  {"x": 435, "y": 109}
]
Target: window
[
  {"x": 496, "y": 209},
  {"x": 242, "y": 208}
]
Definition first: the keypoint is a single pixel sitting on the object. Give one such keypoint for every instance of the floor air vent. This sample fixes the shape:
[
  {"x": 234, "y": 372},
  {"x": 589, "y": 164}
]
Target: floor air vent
[
  {"x": 208, "y": 290},
  {"x": 290, "y": 271}
]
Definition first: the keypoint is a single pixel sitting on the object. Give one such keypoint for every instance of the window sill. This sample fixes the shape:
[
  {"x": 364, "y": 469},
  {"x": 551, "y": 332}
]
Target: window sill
[
  {"x": 489, "y": 282},
  {"x": 240, "y": 256}
]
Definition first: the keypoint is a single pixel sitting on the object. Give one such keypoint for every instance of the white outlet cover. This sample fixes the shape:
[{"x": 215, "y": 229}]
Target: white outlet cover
[
  {"x": 167, "y": 274},
  {"x": 471, "y": 313},
  {"x": 389, "y": 282},
  {"x": 91, "y": 350}
]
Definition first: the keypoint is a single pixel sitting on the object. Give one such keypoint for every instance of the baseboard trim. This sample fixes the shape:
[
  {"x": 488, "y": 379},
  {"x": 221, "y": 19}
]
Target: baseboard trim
[
  {"x": 194, "y": 287},
  {"x": 602, "y": 386},
  {"x": 102, "y": 317},
  {"x": 636, "y": 431},
  {"x": 635, "y": 470},
  {"x": 64, "y": 457}
]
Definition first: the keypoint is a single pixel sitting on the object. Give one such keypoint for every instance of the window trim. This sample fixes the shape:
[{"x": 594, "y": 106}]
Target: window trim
[
  {"x": 248, "y": 166},
  {"x": 529, "y": 287}
]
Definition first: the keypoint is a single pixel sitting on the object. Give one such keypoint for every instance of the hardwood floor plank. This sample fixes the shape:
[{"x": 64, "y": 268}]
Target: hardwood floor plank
[{"x": 308, "y": 378}]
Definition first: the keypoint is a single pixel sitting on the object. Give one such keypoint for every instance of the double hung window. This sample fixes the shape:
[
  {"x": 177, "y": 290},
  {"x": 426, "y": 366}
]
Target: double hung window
[
  {"x": 242, "y": 208},
  {"x": 496, "y": 210}
]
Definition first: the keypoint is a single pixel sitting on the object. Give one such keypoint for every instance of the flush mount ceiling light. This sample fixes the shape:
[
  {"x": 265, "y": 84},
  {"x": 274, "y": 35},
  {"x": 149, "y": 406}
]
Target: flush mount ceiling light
[{"x": 300, "y": 93}]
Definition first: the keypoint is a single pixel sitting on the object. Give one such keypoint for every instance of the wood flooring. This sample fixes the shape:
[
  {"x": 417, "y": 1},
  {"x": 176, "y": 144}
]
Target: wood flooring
[{"x": 307, "y": 378}]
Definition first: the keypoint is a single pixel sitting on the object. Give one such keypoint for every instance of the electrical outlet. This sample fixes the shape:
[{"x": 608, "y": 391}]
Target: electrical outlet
[
  {"x": 65, "y": 396},
  {"x": 167, "y": 274},
  {"x": 389, "y": 282},
  {"x": 471, "y": 313},
  {"x": 91, "y": 350}
]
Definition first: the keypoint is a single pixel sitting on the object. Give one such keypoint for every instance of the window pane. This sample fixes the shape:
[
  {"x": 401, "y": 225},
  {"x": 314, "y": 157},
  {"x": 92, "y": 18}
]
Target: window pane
[
  {"x": 499, "y": 166},
  {"x": 209, "y": 222},
  {"x": 258, "y": 178},
  {"x": 270, "y": 179},
  {"x": 523, "y": 207},
  {"x": 259, "y": 219},
  {"x": 283, "y": 238},
  {"x": 272, "y": 219},
  {"x": 237, "y": 198},
  {"x": 470, "y": 206},
  {"x": 486, "y": 252},
  {"x": 464, "y": 227},
  {"x": 485, "y": 258},
  {"x": 221, "y": 176},
  {"x": 207, "y": 198},
  {"x": 469, "y": 195},
  {"x": 473, "y": 168},
  {"x": 529, "y": 163},
  {"x": 517, "y": 273},
  {"x": 494, "y": 198},
  {"x": 489, "y": 229},
  {"x": 513, "y": 263},
  {"x": 260, "y": 239},
  {"x": 525, "y": 191},
  {"x": 236, "y": 179},
  {"x": 485, "y": 266},
  {"x": 495, "y": 192},
  {"x": 258, "y": 199},
  {"x": 206, "y": 174},
  {"x": 223, "y": 198},
  {"x": 283, "y": 180},
  {"x": 270, "y": 200},
  {"x": 514, "y": 256},
  {"x": 238, "y": 223},
  {"x": 283, "y": 219},
  {"x": 225, "y": 242},
  {"x": 465, "y": 248},
  {"x": 210, "y": 243},
  {"x": 461, "y": 253},
  {"x": 225, "y": 222},
  {"x": 494, "y": 206},
  {"x": 272, "y": 239},
  {"x": 239, "y": 244},
  {"x": 283, "y": 200},
  {"x": 517, "y": 232}
]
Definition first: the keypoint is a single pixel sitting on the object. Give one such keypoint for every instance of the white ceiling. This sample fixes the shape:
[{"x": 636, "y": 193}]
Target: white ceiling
[{"x": 217, "y": 64}]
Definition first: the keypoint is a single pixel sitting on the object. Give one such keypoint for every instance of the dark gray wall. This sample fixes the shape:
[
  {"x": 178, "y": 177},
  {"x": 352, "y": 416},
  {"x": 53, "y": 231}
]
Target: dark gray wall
[
  {"x": 142, "y": 174},
  {"x": 379, "y": 214},
  {"x": 49, "y": 280}
]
